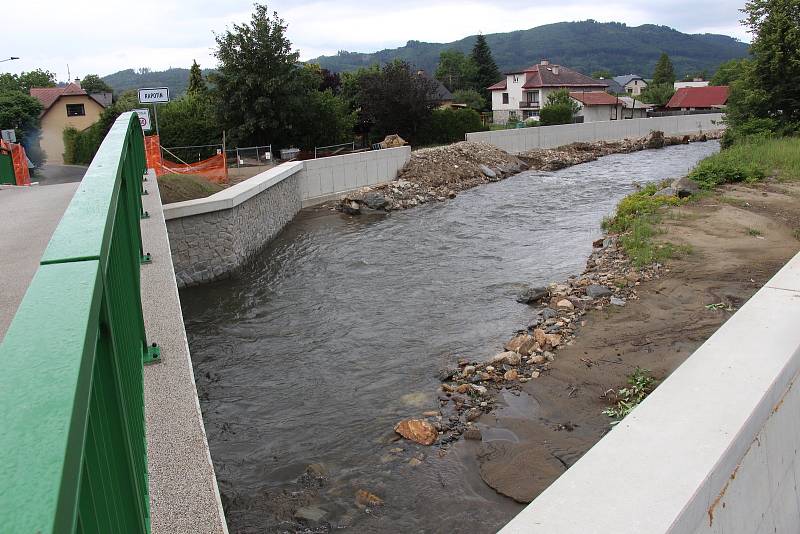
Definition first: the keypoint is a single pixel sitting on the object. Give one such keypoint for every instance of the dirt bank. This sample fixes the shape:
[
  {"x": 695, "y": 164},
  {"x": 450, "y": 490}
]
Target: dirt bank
[
  {"x": 436, "y": 174},
  {"x": 739, "y": 237}
]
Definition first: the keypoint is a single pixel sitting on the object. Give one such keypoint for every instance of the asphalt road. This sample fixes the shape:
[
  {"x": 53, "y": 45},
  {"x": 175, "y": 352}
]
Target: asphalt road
[{"x": 59, "y": 174}]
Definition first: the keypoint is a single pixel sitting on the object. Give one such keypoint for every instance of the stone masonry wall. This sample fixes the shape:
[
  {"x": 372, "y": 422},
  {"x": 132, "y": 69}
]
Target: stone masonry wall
[{"x": 210, "y": 246}]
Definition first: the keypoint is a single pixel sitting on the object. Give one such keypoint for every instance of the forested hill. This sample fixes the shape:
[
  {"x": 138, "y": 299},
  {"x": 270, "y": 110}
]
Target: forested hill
[
  {"x": 176, "y": 79},
  {"x": 586, "y": 46}
]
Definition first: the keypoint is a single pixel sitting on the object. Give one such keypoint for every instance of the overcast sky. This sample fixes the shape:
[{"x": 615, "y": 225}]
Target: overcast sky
[{"x": 106, "y": 36}]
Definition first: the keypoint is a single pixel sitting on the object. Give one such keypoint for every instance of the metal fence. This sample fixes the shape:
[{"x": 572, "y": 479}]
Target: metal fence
[
  {"x": 74, "y": 455},
  {"x": 334, "y": 150},
  {"x": 250, "y": 156}
]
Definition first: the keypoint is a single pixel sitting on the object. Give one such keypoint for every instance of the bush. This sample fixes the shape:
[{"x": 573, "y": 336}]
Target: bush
[
  {"x": 712, "y": 172},
  {"x": 450, "y": 125},
  {"x": 80, "y": 147},
  {"x": 636, "y": 205},
  {"x": 555, "y": 114}
]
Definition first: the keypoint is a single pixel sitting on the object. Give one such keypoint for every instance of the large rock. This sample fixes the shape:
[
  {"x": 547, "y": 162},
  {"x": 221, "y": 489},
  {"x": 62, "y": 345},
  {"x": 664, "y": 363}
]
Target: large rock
[
  {"x": 685, "y": 187},
  {"x": 523, "y": 344},
  {"x": 509, "y": 357},
  {"x": 531, "y": 295},
  {"x": 596, "y": 291},
  {"x": 417, "y": 430},
  {"x": 375, "y": 201},
  {"x": 365, "y": 498},
  {"x": 489, "y": 173}
]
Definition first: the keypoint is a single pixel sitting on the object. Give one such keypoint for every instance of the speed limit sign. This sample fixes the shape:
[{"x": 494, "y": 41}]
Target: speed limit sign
[{"x": 144, "y": 118}]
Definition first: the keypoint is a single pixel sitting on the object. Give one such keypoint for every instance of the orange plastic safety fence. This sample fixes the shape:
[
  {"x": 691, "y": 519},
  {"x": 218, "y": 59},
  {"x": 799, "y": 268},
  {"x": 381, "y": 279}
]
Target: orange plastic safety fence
[
  {"x": 214, "y": 168},
  {"x": 20, "y": 160}
]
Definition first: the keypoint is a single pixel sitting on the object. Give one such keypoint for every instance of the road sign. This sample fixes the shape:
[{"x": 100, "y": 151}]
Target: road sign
[
  {"x": 144, "y": 118},
  {"x": 152, "y": 95},
  {"x": 9, "y": 135}
]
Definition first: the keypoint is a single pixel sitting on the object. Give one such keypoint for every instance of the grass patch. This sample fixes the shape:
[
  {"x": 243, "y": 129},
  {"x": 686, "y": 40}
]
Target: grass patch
[
  {"x": 750, "y": 161},
  {"x": 180, "y": 187},
  {"x": 753, "y": 232},
  {"x": 640, "y": 384}
]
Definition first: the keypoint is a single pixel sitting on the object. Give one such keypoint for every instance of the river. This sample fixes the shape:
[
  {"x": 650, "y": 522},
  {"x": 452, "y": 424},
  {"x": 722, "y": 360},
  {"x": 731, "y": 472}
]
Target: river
[{"x": 335, "y": 332}]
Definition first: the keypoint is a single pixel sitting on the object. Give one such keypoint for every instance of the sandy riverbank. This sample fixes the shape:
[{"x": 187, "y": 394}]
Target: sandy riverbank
[{"x": 739, "y": 237}]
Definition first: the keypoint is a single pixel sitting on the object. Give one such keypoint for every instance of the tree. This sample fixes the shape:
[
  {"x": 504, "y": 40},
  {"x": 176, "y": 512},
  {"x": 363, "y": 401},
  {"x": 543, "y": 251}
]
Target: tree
[
  {"x": 24, "y": 81},
  {"x": 197, "y": 84},
  {"x": 657, "y": 94},
  {"x": 559, "y": 109},
  {"x": 395, "y": 99},
  {"x": 486, "y": 71},
  {"x": 775, "y": 48},
  {"x": 455, "y": 70},
  {"x": 256, "y": 79},
  {"x": 92, "y": 83},
  {"x": 729, "y": 71},
  {"x": 664, "y": 73},
  {"x": 20, "y": 112},
  {"x": 603, "y": 73},
  {"x": 189, "y": 121},
  {"x": 471, "y": 98}
]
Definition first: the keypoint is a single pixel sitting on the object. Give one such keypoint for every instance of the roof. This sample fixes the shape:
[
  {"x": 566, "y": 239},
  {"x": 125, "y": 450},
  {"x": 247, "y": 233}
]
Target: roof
[
  {"x": 613, "y": 86},
  {"x": 630, "y": 102},
  {"x": 442, "y": 93},
  {"x": 544, "y": 76},
  {"x": 594, "y": 98},
  {"x": 627, "y": 78},
  {"x": 48, "y": 95},
  {"x": 699, "y": 97}
]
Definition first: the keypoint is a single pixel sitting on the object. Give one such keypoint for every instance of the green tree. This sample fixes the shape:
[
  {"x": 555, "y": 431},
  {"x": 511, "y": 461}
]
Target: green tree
[
  {"x": 664, "y": 73},
  {"x": 456, "y": 70},
  {"x": 24, "y": 81},
  {"x": 21, "y": 112},
  {"x": 471, "y": 98},
  {"x": 450, "y": 126},
  {"x": 602, "y": 73},
  {"x": 256, "y": 79},
  {"x": 92, "y": 83},
  {"x": 657, "y": 94},
  {"x": 775, "y": 25},
  {"x": 486, "y": 71},
  {"x": 196, "y": 82},
  {"x": 189, "y": 121},
  {"x": 729, "y": 71},
  {"x": 395, "y": 99},
  {"x": 559, "y": 109}
]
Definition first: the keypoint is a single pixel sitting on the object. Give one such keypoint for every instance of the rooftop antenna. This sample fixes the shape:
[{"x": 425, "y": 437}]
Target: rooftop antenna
[{"x": 69, "y": 76}]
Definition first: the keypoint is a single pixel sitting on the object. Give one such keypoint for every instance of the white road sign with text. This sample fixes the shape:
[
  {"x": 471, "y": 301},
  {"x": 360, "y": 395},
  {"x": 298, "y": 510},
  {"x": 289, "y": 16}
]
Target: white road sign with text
[
  {"x": 153, "y": 95},
  {"x": 144, "y": 118}
]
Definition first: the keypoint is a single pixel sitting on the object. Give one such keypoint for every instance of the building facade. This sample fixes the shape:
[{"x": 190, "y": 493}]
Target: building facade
[
  {"x": 64, "y": 107},
  {"x": 521, "y": 94},
  {"x": 633, "y": 84}
]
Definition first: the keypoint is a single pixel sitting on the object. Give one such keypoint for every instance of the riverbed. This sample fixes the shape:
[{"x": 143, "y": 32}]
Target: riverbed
[{"x": 336, "y": 331}]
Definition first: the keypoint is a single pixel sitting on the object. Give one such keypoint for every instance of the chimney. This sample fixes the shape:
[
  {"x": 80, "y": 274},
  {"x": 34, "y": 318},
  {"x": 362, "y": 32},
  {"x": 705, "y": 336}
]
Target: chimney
[
  {"x": 77, "y": 81},
  {"x": 544, "y": 62},
  {"x": 556, "y": 68}
]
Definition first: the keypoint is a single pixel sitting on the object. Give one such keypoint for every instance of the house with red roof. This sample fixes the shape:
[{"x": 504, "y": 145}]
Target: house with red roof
[
  {"x": 521, "y": 94},
  {"x": 67, "y": 106},
  {"x": 597, "y": 106},
  {"x": 699, "y": 98}
]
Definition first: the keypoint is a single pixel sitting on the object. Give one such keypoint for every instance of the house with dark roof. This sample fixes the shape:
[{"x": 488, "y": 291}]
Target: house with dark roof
[
  {"x": 699, "y": 98},
  {"x": 521, "y": 94},
  {"x": 633, "y": 84},
  {"x": 597, "y": 106},
  {"x": 613, "y": 87},
  {"x": 67, "y": 106}
]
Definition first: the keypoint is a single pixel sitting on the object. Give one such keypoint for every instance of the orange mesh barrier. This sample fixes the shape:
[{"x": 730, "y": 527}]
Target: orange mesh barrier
[
  {"x": 21, "y": 172},
  {"x": 214, "y": 169}
]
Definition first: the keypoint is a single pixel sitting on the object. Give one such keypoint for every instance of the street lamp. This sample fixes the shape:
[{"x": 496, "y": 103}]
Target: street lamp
[{"x": 9, "y": 59}]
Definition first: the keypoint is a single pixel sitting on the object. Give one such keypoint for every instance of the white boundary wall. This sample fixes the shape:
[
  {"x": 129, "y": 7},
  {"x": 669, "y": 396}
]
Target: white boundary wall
[
  {"x": 521, "y": 140},
  {"x": 712, "y": 450}
]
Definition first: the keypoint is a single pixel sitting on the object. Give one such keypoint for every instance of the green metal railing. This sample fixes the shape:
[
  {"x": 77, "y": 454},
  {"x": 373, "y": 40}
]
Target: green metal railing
[{"x": 73, "y": 455}]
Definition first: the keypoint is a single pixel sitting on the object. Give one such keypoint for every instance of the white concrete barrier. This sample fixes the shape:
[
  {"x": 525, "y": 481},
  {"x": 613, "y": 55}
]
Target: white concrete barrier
[
  {"x": 712, "y": 449},
  {"x": 523, "y": 139}
]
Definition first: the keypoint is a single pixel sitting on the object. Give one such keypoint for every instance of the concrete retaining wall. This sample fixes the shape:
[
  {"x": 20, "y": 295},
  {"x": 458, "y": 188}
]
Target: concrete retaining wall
[
  {"x": 523, "y": 139},
  {"x": 212, "y": 237},
  {"x": 712, "y": 449}
]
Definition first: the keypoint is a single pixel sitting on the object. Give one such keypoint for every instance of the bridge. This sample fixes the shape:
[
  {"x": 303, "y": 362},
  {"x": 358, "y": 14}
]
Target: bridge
[{"x": 102, "y": 430}]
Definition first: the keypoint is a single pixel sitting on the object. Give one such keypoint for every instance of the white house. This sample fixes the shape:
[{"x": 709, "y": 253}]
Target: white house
[
  {"x": 634, "y": 109},
  {"x": 597, "y": 106},
  {"x": 697, "y": 82},
  {"x": 633, "y": 84},
  {"x": 521, "y": 94}
]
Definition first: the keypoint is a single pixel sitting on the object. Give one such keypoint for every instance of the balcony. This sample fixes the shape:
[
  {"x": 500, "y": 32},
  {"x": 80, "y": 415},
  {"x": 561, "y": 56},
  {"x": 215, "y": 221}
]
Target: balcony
[{"x": 528, "y": 105}]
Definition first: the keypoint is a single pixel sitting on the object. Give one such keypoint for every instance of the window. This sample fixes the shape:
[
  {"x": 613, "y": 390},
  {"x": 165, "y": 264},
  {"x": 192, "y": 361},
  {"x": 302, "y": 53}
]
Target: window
[
  {"x": 505, "y": 98},
  {"x": 533, "y": 96},
  {"x": 75, "y": 110},
  {"x": 630, "y": 89},
  {"x": 516, "y": 78}
]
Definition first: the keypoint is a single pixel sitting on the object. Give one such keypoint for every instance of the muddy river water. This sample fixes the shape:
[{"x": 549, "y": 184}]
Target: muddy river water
[{"x": 336, "y": 331}]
